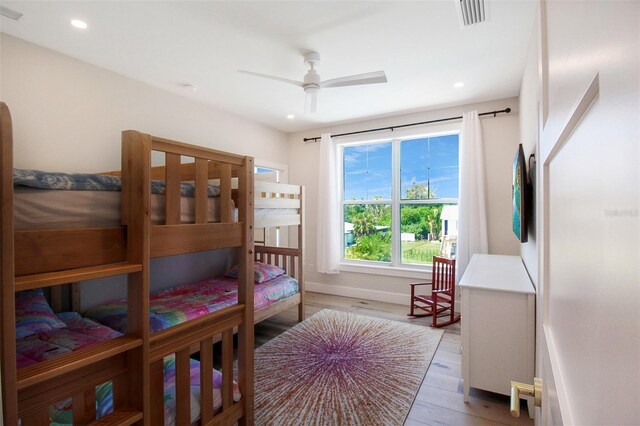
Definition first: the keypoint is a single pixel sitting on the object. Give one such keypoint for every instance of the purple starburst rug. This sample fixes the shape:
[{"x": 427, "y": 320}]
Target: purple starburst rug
[{"x": 338, "y": 368}]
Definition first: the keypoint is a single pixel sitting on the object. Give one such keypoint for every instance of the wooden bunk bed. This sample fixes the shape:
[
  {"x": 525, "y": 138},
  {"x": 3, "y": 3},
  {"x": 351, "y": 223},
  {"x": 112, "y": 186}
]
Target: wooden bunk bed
[
  {"x": 290, "y": 200},
  {"x": 134, "y": 362}
]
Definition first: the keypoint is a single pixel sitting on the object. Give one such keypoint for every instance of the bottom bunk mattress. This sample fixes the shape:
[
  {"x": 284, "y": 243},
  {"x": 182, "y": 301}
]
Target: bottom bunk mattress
[
  {"x": 44, "y": 335},
  {"x": 185, "y": 302}
]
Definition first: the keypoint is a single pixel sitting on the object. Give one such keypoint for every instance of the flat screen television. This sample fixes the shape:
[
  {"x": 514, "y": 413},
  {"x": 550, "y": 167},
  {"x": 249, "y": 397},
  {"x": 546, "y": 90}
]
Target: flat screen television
[{"x": 519, "y": 196}]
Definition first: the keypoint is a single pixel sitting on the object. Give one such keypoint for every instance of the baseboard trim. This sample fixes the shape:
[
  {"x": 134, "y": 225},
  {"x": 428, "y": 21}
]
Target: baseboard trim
[{"x": 360, "y": 293}]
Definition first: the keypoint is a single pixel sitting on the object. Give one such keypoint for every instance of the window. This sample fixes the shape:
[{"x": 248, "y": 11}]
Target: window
[{"x": 400, "y": 200}]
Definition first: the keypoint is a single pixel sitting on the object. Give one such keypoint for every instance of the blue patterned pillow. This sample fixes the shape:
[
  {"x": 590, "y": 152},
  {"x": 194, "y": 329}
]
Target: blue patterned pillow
[{"x": 33, "y": 314}]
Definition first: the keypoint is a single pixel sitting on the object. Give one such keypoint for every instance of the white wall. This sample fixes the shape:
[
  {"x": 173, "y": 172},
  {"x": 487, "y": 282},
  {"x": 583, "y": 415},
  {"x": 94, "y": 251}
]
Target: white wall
[
  {"x": 529, "y": 137},
  {"x": 68, "y": 116},
  {"x": 501, "y": 136}
]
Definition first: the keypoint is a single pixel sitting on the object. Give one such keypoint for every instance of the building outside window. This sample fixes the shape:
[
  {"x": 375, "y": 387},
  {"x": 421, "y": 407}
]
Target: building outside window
[{"x": 400, "y": 200}]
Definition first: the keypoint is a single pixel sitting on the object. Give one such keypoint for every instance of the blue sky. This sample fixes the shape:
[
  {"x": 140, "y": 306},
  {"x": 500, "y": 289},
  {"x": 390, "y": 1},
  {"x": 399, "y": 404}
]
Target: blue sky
[{"x": 368, "y": 167}]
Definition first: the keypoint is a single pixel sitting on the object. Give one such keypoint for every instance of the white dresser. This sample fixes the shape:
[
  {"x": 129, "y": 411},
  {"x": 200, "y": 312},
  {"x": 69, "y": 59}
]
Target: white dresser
[{"x": 498, "y": 324}]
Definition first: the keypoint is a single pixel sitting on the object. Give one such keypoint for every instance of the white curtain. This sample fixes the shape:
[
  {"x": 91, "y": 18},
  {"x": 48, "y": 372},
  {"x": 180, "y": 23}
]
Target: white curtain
[
  {"x": 329, "y": 246},
  {"x": 472, "y": 210}
]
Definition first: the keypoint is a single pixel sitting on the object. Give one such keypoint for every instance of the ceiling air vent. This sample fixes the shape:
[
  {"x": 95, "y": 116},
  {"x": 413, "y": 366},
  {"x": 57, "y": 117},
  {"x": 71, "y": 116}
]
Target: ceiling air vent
[
  {"x": 11, "y": 14},
  {"x": 472, "y": 12}
]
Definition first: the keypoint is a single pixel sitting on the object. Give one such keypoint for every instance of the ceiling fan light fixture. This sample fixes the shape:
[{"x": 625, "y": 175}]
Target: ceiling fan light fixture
[{"x": 311, "y": 99}]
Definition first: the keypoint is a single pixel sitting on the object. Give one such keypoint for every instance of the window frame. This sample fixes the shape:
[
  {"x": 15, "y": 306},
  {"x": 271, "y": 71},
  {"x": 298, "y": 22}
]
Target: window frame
[{"x": 395, "y": 266}]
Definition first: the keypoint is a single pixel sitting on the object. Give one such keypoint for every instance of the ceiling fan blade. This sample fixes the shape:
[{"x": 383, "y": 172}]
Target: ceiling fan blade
[
  {"x": 271, "y": 77},
  {"x": 355, "y": 80}
]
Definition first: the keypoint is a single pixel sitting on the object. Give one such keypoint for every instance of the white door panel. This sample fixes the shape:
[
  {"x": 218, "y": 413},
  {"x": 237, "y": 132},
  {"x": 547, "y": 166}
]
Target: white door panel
[{"x": 590, "y": 223}]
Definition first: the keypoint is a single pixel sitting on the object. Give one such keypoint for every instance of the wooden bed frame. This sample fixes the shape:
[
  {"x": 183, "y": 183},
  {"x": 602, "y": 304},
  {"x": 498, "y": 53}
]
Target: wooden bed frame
[
  {"x": 133, "y": 362},
  {"x": 268, "y": 195}
]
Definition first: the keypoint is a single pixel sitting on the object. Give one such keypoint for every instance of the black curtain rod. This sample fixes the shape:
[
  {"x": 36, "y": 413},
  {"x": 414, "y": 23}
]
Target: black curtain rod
[{"x": 392, "y": 128}]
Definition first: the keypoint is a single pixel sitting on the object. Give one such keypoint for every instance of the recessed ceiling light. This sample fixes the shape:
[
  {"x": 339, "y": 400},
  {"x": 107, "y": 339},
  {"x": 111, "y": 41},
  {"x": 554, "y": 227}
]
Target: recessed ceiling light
[
  {"x": 79, "y": 24},
  {"x": 291, "y": 116},
  {"x": 458, "y": 85}
]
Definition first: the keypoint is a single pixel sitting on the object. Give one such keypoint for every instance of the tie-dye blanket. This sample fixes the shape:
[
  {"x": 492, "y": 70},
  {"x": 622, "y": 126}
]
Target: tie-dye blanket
[
  {"x": 81, "y": 332},
  {"x": 179, "y": 304},
  {"x": 89, "y": 182}
]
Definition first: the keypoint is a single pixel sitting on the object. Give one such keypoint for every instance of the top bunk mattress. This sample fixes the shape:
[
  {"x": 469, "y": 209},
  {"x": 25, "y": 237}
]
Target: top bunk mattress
[
  {"x": 47, "y": 209},
  {"x": 44, "y": 200}
]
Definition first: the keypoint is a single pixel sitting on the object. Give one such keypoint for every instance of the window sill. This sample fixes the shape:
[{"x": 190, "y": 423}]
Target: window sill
[{"x": 403, "y": 272}]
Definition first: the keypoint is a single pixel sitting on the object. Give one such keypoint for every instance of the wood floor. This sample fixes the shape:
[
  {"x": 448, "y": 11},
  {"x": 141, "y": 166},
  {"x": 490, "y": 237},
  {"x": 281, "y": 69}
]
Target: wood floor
[{"x": 439, "y": 400}]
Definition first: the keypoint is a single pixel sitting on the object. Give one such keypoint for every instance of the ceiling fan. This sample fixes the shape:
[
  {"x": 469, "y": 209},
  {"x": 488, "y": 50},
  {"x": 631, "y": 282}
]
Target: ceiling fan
[{"x": 312, "y": 83}]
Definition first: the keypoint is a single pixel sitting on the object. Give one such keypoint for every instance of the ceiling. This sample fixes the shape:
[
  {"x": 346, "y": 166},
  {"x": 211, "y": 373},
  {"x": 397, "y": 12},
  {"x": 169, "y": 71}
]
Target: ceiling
[{"x": 421, "y": 46}]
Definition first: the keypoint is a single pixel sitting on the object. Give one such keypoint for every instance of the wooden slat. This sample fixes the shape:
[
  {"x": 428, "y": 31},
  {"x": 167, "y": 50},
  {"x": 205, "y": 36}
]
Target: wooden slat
[
  {"x": 184, "y": 335},
  {"x": 276, "y": 188},
  {"x": 59, "y": 249},
  {"x": 46, "y": 393},
  {"x": 301, "y": 248},
  {"x": 156, "y": 392},
  {"x": 84, "y": 407},
  {"x": 206, "y": 380},
  {"x": 267, "y": 221},
  {"x": 7, "y": 293},
  {"x": 76, "y": 297},
  {"x": 38, "y": 417},
  {"x": 276, "y": 203},
  {"x": 172, "y": 189},
  {"x": 166, "y": 145},
  {"x": 183, "y": 388},
  {"x": 48, "y": 279},
  {"x": 245, "y": 292},
  {"x": 136, "y": 195},
  {"x": 228, "y": 417},
  {"x": 168, "y": 240},
  {"x": 226, "y": 207},
  {"x": 286, "y": 251},
  {"x": 120, "y": 387},
  {"x": 123, "y": 417},
  {"x": 227, "y": 369},
  {"x": 67, "y": 363},
  {"x": 277, "y": 307},
  {"x": 56, "y": 299},
  {"x": 201, "y": 196}
]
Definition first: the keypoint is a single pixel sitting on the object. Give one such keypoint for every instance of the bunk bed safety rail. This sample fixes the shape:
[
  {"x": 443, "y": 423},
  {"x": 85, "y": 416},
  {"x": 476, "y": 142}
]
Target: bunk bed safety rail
[
  {"x": 178, "y": 341},
  {"x": 277, "y": 196},
  {"x": 283, "y": 257},
  {"x": 45, "y": 384},
  {"x": 203, "y": 165}
]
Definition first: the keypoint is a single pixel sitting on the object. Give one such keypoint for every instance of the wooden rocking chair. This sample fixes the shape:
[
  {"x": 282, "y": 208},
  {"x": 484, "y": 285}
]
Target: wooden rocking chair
[{"x": 443, "y": 293}]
